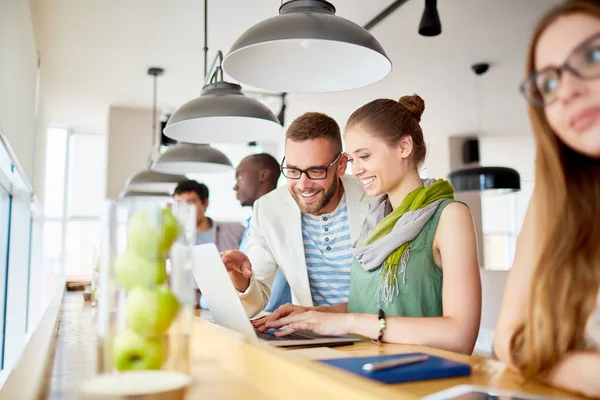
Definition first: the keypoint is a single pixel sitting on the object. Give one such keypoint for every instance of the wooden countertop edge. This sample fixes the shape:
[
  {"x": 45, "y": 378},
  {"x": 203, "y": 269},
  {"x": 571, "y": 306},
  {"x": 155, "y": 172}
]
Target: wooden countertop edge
[
  {"x": 279, "y": 374},
  {"x": 30, "y": 378}
]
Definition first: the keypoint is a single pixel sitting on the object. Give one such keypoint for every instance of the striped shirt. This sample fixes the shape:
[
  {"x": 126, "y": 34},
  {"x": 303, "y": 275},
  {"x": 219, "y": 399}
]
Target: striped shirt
[{"x": 327, "y": 251}]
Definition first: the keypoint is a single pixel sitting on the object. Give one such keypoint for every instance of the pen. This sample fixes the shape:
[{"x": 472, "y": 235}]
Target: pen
[{"x": 396, "y": 362}]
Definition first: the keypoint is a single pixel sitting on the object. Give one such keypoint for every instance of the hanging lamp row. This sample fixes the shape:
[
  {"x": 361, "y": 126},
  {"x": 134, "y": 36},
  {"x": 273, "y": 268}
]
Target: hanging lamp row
[{"x": 304, "y": 49}]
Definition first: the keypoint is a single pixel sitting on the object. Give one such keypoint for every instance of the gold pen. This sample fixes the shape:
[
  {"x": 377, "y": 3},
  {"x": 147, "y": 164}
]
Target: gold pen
[{"x": 396, "y": 362}]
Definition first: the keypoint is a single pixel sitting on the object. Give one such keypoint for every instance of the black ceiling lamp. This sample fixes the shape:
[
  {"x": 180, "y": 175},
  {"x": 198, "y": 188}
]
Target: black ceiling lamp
[
  {"x": 430, "y": 21},
  {"x": 478, "y": 178}
]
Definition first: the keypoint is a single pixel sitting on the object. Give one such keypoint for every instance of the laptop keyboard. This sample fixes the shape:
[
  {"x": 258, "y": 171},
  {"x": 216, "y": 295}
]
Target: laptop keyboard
[{"x": 269, "y": 335}]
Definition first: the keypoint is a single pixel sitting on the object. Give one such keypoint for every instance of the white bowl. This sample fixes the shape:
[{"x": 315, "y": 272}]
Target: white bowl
[{"x": 137, "y": 385}]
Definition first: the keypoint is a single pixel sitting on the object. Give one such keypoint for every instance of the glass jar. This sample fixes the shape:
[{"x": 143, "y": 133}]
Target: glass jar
[{"x": 145, "y": 286}]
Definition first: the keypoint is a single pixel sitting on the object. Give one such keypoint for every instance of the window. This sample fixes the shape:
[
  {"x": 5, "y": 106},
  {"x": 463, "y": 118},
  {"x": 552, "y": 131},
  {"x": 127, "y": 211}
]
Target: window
[
  {"x": 75, "y": 188},
  {"x": 500, "y": 230},
  {"x": 4, "y": 234}
]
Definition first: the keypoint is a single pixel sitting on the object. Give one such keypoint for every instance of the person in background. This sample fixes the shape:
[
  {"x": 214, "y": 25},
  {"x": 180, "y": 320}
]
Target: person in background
[
  {"x": 415, "y": 273},
  {"x": 549, "y": 324},
  {"x": 256, "y": 176},
  {"x": 225, "y": 235},
  {"x": 305, "y": 228}
]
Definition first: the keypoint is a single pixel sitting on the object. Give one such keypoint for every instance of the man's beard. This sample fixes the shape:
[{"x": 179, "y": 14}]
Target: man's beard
[{"x": 315, "y": 208}]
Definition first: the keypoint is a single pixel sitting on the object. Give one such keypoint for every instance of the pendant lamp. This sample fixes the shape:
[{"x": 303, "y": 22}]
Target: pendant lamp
[
  {"x": 307, "y": 49},
  {"x": 430, "y": 21},
  {"x": 192, "y": 158},
  {"x": 222, "y": 114},
  {"x": 148, "y": 180},
  {"x": 486, "y": 178},
  {"x": 482, "y": 178},
  {"x": 153, "y": 181},
  {"x": 128, "y": 194}
]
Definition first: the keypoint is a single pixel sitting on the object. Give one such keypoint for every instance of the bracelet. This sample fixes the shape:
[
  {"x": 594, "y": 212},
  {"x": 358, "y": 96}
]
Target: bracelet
[{"x": 381, "y": 316}]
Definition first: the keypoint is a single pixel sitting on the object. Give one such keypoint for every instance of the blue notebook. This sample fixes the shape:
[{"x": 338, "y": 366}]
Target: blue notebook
[{"x": 432, "y": 368}]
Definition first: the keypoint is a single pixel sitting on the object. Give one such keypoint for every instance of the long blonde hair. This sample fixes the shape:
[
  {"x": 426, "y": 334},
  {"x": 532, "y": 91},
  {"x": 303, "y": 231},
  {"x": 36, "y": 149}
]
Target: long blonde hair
[{"x": 567, "y": 269}]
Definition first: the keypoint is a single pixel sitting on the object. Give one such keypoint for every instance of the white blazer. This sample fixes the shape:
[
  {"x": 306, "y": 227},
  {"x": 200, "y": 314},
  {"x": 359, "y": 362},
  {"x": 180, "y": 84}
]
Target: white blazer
[{"x": 275, "y": 239}]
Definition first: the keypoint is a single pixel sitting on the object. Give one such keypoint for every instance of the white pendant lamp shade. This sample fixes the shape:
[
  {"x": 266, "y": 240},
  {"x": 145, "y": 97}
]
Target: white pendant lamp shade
[
  {"x": 132, "y": 194},
  {"x": 307, "y": 49},
  {"x": 222, "y": 114},
  {"x": 152, "y": 181},
  {"x": 192, "y": 158}
]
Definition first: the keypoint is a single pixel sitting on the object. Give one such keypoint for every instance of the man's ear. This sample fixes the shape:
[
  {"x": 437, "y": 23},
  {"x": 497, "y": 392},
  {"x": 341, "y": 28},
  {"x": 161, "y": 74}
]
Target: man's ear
[
  {"x": 263, "y": 175},
  {"x": 342, "y": 164}
]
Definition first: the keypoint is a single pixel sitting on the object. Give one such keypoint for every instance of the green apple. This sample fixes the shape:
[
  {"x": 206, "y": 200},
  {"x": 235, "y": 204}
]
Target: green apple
[
  {"x": 149, "y": 312},
  {"x": 97, "y": 266},
  {"x": 134, "y": 352},
  {"x": 152, "y": 231},
  {"x": 133, "y": 270}
]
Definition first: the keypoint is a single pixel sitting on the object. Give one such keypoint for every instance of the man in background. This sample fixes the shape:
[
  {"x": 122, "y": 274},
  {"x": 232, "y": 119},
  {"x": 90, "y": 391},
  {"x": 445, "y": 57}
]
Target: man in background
[
  {"x": 225, "y": 235},
  {"x": 256, "y": 176}
]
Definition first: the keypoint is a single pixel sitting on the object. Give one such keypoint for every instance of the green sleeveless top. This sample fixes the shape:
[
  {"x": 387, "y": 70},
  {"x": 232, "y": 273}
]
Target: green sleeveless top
[{"x": 421, "y": 293}]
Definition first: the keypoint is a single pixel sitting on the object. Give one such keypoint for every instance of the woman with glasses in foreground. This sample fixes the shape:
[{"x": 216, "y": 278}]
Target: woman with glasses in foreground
[
  {"x": 549, "y": 326},
  {"x": 415, "y": 274}
]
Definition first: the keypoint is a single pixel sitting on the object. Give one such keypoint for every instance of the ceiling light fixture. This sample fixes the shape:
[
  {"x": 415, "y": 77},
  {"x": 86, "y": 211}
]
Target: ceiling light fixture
[
  {"x": 307, "y": 49},
  {"x": 430, "y": 21},
  {"x": 480, "y": 178},
  {"x": 222, "y": 114},
  {"x": 192, "y": 158},
  {"x": 126, "y": 194},
  {"x": 153, "y": 181},
  {"x": 149, "y": 180}
]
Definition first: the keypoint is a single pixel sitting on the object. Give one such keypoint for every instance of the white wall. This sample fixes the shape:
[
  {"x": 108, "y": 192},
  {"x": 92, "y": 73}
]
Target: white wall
[
  {"x": 129, "y": 145},
  {"x": 18, "y": 71}
]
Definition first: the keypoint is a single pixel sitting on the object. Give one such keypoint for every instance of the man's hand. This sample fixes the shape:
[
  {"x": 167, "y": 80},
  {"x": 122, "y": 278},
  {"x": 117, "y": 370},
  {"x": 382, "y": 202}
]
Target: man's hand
[{"x": 239, "y": 268}]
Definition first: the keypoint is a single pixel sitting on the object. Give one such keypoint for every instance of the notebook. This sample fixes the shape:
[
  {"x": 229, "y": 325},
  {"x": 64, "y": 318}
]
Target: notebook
[{"x": 432, "y": 368}]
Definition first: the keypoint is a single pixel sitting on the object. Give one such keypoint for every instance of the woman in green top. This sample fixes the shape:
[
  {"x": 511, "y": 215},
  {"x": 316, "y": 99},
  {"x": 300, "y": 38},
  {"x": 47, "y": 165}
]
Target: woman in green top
[{"x": 415, "y": 274}]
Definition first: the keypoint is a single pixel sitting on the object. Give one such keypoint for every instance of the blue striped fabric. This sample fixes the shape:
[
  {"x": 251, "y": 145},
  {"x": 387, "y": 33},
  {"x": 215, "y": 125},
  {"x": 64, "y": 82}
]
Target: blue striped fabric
[{"x": 327, "y": 251}]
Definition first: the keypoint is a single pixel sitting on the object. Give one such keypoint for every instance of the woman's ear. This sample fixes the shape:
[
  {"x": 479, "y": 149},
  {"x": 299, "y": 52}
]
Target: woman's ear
[{"x": 405, "y": 146}]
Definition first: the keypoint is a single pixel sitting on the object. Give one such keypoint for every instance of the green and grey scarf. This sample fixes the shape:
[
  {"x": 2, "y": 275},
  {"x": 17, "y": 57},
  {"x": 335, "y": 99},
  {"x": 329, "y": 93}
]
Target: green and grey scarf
[{"x": 386, "y": 235}]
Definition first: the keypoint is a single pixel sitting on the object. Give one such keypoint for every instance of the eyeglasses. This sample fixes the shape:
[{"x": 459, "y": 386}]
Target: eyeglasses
[
  {"x": 541, "y": 88},
  {"x": 313, "y": 173}
]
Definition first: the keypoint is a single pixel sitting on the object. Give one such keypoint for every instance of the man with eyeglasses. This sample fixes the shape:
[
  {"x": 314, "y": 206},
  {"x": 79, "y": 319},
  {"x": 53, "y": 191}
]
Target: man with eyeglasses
[{"x": 305, "y": 229}]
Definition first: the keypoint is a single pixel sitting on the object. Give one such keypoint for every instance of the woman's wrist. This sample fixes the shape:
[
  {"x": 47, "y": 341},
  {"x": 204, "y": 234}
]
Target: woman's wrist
[{"x": 366, "y": 325}]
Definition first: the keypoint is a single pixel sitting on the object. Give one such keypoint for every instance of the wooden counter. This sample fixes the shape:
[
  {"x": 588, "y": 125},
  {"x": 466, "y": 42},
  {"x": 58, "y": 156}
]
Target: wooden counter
[
  {"x": 291, "y": 374},
  {"x": 225, "y": 365}
]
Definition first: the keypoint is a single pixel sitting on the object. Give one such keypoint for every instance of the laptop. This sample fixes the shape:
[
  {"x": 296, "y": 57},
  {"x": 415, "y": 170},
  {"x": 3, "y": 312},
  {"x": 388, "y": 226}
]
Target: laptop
[{"x": 227, "y": 310}]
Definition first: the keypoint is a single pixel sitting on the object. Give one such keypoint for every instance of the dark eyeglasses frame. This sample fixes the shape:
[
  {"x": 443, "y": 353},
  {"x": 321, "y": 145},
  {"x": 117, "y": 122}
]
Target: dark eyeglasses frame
[
  {"x": 559, "y": 72},
  {"x": 306, "y": 171}
]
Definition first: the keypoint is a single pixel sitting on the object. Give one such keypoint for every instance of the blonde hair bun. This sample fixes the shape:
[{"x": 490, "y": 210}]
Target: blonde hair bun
[{"x": 414, "y": 104}]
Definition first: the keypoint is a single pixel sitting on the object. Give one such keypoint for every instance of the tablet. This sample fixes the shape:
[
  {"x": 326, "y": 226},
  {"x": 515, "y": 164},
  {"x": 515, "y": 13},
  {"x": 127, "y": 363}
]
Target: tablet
[{"x": 469, "y": 392}]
